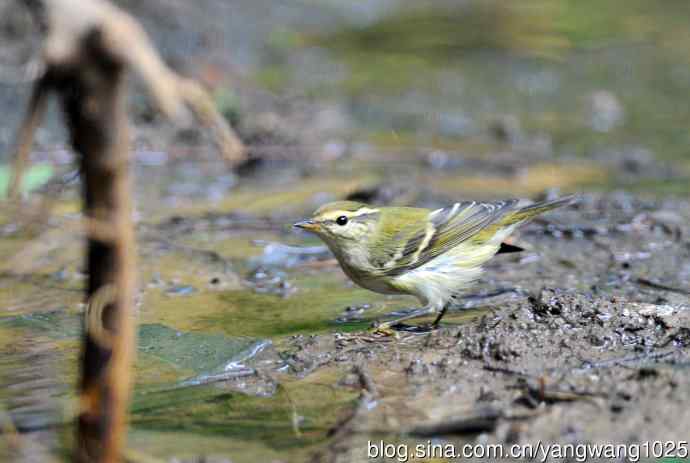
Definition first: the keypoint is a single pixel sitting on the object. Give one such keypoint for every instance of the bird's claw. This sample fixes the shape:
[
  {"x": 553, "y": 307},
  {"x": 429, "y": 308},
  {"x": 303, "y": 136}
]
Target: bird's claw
[
  {"x": 383, "y": 329},
  {"x": 397, "y": 325},
  {"x": 394, "y": 328}
]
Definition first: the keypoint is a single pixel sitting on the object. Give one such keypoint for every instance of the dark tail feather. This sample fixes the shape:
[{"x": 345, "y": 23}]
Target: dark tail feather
[{"x": 507, "y": 248}]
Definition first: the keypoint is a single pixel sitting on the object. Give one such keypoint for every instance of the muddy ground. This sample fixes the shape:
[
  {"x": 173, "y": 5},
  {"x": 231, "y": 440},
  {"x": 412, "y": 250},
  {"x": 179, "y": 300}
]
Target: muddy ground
[
  {"x": 267, "y": 350},
  {"x": 583, "y": 339}
]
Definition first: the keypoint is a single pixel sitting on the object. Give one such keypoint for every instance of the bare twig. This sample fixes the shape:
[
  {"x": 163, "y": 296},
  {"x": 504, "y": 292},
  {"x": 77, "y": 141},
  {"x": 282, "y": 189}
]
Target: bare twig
[{"x": 88, "y": 50}]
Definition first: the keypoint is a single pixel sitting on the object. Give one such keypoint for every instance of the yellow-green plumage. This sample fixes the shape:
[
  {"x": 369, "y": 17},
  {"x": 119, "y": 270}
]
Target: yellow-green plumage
[{"x": 432, "y": 255}]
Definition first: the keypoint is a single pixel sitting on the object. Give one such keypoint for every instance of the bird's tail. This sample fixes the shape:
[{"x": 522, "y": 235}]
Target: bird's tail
[{"x": 527, "y": 212}]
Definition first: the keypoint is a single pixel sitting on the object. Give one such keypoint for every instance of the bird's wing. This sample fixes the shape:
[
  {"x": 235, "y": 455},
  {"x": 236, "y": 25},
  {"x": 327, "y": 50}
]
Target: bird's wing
[{"x": 445, "y": 229}]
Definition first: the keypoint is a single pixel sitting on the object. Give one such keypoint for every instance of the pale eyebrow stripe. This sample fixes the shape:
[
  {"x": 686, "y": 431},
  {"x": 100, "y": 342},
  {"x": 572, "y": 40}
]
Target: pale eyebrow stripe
[
  {"x": 365, "y": 210},
  {"x": 359, "y": 212},
  {"x": 357, "y": 218}
]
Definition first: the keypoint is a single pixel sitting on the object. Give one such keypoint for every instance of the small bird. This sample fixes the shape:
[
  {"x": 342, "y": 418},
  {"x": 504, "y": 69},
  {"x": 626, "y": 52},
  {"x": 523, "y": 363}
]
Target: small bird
[{"x": 433, "y": 255}]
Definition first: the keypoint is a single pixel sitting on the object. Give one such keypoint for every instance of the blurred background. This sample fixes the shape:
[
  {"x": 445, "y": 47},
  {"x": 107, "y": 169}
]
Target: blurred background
[
  {"x": 452, "y": 88},
  {"x": 386, "y": 101}
]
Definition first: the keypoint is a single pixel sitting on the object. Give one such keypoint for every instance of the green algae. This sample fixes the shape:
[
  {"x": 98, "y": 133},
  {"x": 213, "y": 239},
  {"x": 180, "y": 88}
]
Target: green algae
[
  {"x": 185, "y": 351},
  {"x": 198, "y": 352},
  {"x": 242, "y": 246},
  {"x": 177, "y": 422},
  {"x": 169, "y": 419},
  {"x": 312, "y": 309},
  {"x": 57, "y": 324}
]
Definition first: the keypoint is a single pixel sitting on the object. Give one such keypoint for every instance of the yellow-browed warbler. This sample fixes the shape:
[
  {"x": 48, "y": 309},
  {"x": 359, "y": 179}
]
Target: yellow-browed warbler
[{"x": 433, "y": 255}]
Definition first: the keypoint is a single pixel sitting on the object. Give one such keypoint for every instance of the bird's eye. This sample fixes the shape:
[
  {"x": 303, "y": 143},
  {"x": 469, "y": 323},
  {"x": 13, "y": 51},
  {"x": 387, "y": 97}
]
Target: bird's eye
[{"x": 342, "y": 220}]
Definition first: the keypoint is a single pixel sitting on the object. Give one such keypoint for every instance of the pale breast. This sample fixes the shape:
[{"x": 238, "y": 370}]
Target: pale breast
[{"x": 354, "y": 260}]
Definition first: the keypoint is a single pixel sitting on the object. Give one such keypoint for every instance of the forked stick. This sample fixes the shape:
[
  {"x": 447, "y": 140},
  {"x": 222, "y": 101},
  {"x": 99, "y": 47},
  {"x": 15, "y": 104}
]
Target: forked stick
[{"x": 88, "y": 50}]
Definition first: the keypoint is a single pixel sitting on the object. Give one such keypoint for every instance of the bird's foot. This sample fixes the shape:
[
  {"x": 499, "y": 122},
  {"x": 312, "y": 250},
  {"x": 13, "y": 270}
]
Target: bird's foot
[
  {"x": 394, "y": 328},
  {"x": 383, "y": 329}
]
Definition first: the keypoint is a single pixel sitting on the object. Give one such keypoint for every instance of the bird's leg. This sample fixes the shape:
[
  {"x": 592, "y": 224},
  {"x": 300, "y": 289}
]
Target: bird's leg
[
  {"x": 440, "y": 316},
  {"x": 414, "y": 314}
]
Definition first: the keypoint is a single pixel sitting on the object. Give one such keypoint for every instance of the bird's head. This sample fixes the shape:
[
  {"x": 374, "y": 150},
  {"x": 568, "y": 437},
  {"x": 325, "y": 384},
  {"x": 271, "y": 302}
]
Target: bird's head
[{"x": 341, "y": 222}]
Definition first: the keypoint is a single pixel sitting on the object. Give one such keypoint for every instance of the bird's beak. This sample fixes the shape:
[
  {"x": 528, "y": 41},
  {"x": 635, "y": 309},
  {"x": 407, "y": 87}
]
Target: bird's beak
[{"x": 309, "y": 225}]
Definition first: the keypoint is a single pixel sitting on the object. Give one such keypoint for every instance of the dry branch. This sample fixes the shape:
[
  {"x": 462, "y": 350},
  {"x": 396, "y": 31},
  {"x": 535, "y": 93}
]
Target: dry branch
[
  {"x": 88, "y": 50},
  {"x": 67, "y": 23}
]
